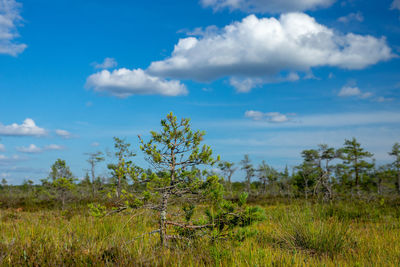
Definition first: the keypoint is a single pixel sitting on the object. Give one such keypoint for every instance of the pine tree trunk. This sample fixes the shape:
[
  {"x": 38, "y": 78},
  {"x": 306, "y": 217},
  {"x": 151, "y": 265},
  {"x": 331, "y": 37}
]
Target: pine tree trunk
[
  {"x": 93, "y": 182},
  {"x": 163, "y": 219},
  {"x": 248, "y": 184},
  {"x": 230, "y": 184},
  {"x": 119, "y": 187}
]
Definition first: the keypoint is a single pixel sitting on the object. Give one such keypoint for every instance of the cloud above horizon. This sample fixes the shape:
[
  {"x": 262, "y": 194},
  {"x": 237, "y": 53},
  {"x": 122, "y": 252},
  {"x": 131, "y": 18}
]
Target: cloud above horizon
[
  {"x": 10, "y": 19},
  {"x": 328, "y": 120},
  {"x": 33, "y": 149},
  {"x": 6, "y": 160},
  {"x": 348, "y": 91},
  {"x": 27, "y": 128},
  {"x": 267, "y": 6},
  {"x": 274, "y": 117},
  {"x": 264, "y": 48},
  {"x": 63, "y": 133},
  {"x": 124, "y": 82}
]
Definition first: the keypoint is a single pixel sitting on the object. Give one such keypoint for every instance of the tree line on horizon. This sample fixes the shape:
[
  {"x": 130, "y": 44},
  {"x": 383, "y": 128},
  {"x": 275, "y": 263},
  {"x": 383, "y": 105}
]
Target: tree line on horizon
[{"x": 325, "y": 172}]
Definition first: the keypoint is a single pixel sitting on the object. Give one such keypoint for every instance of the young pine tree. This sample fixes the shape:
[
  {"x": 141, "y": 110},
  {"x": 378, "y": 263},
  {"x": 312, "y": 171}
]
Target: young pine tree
[
  {"x": 267, "y": 175},
  {"x": 124, "y": 168},
  {"x": 93, "y": 160},
  {"x": 175, "y": 152},
  {"x": 176, "y": 155},
  {"x": 353, "y": 156},
  {"x": 60, "y": 181},
  {"x": 228, "y": 170},
  {"x": 249, "y": 170}
]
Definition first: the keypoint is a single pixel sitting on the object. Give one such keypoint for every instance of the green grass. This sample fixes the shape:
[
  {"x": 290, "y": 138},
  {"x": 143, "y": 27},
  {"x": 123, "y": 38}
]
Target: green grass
[{"x": 296, "y": 234}]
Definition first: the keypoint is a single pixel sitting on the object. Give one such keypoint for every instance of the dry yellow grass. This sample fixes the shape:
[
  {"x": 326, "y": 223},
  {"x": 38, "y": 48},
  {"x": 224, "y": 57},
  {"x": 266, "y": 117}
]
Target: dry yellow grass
[{"x": 74, "y": 238}]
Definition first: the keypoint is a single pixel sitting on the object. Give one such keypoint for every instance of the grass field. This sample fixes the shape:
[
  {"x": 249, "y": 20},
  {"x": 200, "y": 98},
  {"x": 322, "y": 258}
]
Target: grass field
[{"x": 295, "y": 234}]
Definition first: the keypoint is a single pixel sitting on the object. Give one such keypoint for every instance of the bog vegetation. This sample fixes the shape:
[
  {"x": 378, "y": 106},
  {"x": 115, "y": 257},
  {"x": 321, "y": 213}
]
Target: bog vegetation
[{"x": 336, "y": 208}]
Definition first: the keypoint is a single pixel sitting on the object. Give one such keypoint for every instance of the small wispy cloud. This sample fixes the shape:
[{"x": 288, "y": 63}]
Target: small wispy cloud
[
  {"x": 95, "y": 144},
  {"x": 274, "y": 117},
  {"x": 63, "y": 133},
  {"x": 2, "y": 148},
  {"x": 382, "y": 99},
  {"x": 108, "y": 63},
  {"x": 7, "y": 160},
  {"x": 349, "y": 91},
  {"x": 10, "y": 19},
  {"x": 395, "y": 5},
  {"x": 352, "y": 17},
  {"x": 29, "y": 149},
  {"x": 53, "y": 147},
  {"x": 33, "y": 149}
]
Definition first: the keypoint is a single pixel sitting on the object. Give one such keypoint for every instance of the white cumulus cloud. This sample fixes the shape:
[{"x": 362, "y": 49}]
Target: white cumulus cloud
[
  {"x": 124, "y": 82},
  {"x": 27, "y": 128},
  {"x": 267, "y": 6},
  {"x": 108, "y": 63},
  {"x": 10, "y": 18},
  {"x": 264, "y": 48},
  {"x": 275, "y": 117}
]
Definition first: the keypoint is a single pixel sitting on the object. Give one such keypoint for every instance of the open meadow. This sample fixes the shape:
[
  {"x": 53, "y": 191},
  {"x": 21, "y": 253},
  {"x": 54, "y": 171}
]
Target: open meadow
[{"x": 294, "y": 233}]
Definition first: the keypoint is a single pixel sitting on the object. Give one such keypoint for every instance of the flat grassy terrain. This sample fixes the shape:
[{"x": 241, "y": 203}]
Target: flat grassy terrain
[{"x": 296, "y": 234}]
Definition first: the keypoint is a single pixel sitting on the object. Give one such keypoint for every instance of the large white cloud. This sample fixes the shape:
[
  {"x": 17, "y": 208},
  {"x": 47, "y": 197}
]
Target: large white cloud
[
  {"x": 9, "y": 20},
  {"x": 267, "y": 6},
  {"x": 264, "y": 47},
  {"x": 124, "y": 82},
  {"x": 27, "y": 128}
]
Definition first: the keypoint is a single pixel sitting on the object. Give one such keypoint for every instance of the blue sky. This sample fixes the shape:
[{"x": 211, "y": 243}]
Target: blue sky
[{"x": 266, "y": 78}]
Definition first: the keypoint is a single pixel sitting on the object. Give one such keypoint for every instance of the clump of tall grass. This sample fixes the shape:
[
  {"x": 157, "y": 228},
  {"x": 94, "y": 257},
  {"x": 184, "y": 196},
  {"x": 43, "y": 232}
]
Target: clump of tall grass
[{"x": 303, "y": 231}]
